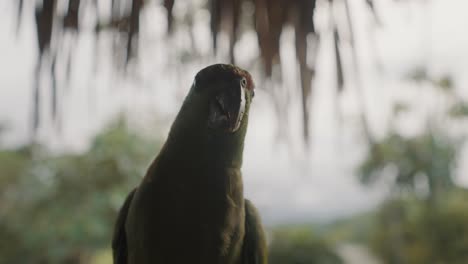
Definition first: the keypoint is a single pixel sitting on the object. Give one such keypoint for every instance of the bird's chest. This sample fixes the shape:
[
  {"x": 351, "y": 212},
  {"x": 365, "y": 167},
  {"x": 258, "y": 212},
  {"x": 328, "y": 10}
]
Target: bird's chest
[{"x": 200, "y": 219}]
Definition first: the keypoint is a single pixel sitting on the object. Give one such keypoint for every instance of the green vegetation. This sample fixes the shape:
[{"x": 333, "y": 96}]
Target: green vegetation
[
  {"x": 425, "y": 218},
  {"x": 427, "y": 158},
  {"x": 300, "y": 246},
  {"x": 408, "y": 231},
  {"x": 62, "y": 208}
]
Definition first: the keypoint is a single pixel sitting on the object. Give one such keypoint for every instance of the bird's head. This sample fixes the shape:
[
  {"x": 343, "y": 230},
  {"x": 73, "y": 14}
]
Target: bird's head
[
  {"x": 227, "y": 92},
  {"x": 214, "y": 116}
]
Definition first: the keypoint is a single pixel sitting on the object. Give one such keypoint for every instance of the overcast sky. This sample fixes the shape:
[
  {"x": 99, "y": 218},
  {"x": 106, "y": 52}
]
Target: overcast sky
[{"x": 285, "y": 182}]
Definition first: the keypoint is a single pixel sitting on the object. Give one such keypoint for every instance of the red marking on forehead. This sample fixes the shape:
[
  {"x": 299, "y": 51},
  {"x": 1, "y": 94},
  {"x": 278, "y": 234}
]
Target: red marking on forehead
[
  {"x": 247, "y": 76},
  {"x": 216, "y": 72}
]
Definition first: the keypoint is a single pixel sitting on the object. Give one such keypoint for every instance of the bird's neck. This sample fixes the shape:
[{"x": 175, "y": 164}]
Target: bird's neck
[{"x": 192, "y": 142}]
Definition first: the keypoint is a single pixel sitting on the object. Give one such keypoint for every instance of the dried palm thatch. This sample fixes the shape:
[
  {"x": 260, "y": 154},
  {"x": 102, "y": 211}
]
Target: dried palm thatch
[{"x": 269, "y": 19}]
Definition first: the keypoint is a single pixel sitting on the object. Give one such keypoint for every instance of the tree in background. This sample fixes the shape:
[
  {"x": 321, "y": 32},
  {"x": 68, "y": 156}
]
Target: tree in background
[
  {"x": 409, "y": 231},
  {"x": 424, "y": 219},
  {"x": 427, "y": 158}
]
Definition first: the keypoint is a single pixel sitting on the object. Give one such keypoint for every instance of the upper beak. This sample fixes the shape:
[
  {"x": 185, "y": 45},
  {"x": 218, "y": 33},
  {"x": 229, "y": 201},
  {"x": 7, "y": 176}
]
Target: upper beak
[
  {"x": 241, "y": 111},
  {"x": 232, "y": 111}
]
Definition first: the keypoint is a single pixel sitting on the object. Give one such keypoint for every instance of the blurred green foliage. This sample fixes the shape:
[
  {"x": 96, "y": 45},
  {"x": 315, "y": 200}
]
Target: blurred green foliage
[
  {"x": 61, "y": 208},
  {"x": 300, "y": 246},
  {"x": 429, "y": 157},
  {"x": 425, "y": 218},
  {"x": 354, "y": 229},
  {"x": 410, "y": 231},
  {"x": 459, "y": 110},
  {"x": 421, "y": 75}
]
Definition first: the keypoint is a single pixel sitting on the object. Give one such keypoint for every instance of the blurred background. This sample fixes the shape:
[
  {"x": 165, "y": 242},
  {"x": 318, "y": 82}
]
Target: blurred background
[{"x": 356, "y": 145}]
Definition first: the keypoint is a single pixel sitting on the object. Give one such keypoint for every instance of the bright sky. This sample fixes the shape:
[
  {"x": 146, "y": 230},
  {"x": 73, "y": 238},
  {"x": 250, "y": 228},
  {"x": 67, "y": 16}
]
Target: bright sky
[{"x": 286, "y": 183}]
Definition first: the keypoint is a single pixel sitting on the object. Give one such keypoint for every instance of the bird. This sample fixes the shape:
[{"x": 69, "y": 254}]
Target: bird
[{"x": 190, "y": 205}]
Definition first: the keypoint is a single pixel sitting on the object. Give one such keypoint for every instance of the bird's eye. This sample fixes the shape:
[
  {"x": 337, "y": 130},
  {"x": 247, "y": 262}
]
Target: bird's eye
[
  {"x": 244, "y": 82},
  {"x": 253, "y": 93}
]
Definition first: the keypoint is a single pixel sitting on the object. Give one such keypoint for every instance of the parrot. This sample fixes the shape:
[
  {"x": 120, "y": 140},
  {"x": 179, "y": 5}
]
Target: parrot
[{"x": 190, "y": 205}]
